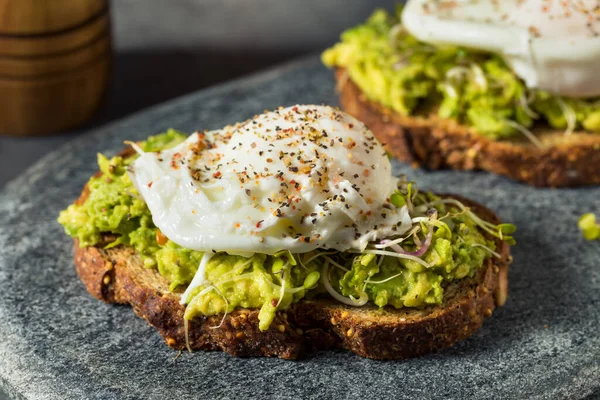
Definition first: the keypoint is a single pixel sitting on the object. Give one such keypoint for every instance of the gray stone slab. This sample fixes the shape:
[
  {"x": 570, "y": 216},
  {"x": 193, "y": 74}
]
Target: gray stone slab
[{"x": 59, "y": 343}]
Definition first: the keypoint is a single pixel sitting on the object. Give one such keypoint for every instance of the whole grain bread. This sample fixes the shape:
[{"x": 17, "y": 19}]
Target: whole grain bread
[
  {"x": 435, "y": 143},
  {"x": 117, "y": 275}
]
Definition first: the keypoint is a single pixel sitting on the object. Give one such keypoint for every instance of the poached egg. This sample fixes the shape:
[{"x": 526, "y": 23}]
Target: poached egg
[
  {"x": 296, "y": 179},
  {"x": 552, "y": 45}
]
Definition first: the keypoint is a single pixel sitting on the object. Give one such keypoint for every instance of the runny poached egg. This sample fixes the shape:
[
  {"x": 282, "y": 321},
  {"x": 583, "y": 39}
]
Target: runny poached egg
[
  {"x": 296, "y": 179},
  {"x": 552, "y": 45}
]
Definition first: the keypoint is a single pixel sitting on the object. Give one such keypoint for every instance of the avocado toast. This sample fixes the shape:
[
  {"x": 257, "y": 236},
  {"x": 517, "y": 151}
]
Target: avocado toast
[
  {"x": 400, "y": 295},
  {"x": 449, "y": 106}
]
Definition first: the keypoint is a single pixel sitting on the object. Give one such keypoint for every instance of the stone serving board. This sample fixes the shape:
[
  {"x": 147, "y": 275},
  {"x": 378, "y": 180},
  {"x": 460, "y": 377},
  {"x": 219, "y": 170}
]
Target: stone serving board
[{"x": 56, "y": 342}]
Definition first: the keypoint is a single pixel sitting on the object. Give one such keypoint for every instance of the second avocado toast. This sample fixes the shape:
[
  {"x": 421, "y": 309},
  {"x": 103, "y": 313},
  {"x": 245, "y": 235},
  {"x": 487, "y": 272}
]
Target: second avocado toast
[{"x": 443, "y": 105}]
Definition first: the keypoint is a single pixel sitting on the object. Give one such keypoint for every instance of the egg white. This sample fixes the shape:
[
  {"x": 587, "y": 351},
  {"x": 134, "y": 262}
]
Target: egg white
[
  {"x": 299, "y": 179},
  {"x": 551, "y": 44}
]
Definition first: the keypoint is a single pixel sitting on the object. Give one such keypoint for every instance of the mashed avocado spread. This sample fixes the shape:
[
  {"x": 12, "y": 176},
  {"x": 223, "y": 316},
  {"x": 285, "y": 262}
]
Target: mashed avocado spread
[
  {"x": 474, "y": 88},
  {"x": 445, "y": 244}
]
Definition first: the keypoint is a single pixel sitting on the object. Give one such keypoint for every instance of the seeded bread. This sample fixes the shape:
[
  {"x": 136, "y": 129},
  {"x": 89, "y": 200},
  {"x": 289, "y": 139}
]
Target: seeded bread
[
  {"x": 434, "y": 143},
  {"x": 117, "y": 275}
]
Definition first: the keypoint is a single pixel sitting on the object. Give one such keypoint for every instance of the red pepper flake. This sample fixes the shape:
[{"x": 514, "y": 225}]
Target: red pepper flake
[
  {"x": 274, "y": 302},
  {"x": 534, "y": 31},
  {"x": 366, "y": 172},
  {"x": 217, "y": 175},
  {"x": 259, "y": 223},
  {"x": 161, "y": 239},
  {"x": 150, "y": 184}
]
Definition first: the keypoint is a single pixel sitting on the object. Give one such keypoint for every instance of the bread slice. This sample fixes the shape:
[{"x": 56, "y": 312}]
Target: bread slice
[
  {"x": 434, "y": 143},
  {"x": 117, "y": 275}
]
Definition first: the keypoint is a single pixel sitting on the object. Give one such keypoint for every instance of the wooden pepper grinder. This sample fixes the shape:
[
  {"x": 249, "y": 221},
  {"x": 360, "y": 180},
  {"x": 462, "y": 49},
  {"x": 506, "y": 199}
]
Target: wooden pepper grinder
[{"x": 55, "y": 58}]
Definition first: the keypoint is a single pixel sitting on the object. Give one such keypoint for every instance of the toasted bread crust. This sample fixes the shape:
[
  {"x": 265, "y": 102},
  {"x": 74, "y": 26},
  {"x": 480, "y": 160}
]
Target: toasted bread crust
[
  {"x": 436, "y": 144},
  {"x": 117, "y": 275}
]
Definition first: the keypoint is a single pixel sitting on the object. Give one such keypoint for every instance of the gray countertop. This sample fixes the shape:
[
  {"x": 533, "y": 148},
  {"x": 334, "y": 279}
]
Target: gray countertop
[{"x": 164, "y": 49}]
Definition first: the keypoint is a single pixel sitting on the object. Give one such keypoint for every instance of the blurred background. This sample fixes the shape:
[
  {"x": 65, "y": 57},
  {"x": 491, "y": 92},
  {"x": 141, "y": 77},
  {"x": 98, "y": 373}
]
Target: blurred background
[{"x": 162, "y": 49}]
